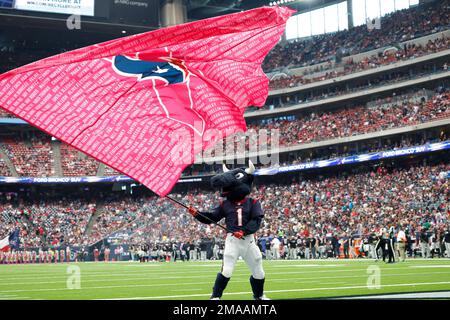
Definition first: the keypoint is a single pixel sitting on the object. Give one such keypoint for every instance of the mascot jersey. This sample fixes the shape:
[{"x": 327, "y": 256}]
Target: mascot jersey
[{"x": 245, "y": 215}]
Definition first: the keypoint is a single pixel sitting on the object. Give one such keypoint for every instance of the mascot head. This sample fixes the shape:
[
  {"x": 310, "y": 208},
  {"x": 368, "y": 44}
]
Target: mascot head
[{"x": 235, "y": 184}]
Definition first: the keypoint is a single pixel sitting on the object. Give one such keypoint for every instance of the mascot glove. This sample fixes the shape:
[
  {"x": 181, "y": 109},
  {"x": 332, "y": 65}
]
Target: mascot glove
[
  {"x": 193, "y": 211},
  {"x": 238, "y": 234}
]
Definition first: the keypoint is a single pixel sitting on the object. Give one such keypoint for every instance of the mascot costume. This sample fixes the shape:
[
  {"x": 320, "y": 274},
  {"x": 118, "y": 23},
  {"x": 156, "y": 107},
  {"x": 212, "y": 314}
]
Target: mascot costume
[{"x": 243, "y": 216}]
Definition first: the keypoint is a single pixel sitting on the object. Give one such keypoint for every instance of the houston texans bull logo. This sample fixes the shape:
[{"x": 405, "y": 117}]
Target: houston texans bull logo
[{"x": 178, "y": 106}]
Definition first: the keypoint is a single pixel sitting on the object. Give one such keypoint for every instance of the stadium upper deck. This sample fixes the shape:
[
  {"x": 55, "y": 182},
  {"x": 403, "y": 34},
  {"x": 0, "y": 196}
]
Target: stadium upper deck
[{"x": 427, "y": 18}]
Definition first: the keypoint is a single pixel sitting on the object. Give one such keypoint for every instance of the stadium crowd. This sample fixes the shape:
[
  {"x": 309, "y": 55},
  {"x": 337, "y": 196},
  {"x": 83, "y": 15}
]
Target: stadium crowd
[
  {"x": 354, "y": 205},
  {"x": 319, "y": 211},
  {"x": 75, "y": 163},
  {"x": 49, "y": 222},
  {"x": 397, "y": 27},
  {"x": 359, "y": 85},
  {"x": 116, "y": 213},
  {"x": 4, "y": 170},
  {"x": 409, "y": 51},
  {"x": 33, "y": 158},
  {"x": 412, "y": 108},
  {"x": 391, "y": 112},
  {"x": 335, "y": 151}
]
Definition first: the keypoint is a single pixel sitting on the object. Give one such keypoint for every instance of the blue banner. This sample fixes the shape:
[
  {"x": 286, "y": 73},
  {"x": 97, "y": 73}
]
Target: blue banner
[
  {"x": 94, "y": 179},
  {"x": 12, "y": 121},
  {"x": 6, "y": 3},
  {"x": 430, "y": 147}
]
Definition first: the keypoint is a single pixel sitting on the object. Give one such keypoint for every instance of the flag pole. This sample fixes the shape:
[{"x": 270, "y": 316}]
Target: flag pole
[{"x": 199, "y": 213}]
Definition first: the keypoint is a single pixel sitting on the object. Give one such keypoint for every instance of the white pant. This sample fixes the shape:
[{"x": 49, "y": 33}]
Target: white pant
[
  {"x": 293, "y": 253},
  {"x": 373, "y": 251},
  {"x": 275, "y": 253},
  {"x": 216, "y": 254},
  {"x": 447, "y": 247},
  {"x": 245, "y": 248},
  {"x": 203, "y": 255},
  {"x": 425, "y": 249},
  {"x": 307, "y": 251}
]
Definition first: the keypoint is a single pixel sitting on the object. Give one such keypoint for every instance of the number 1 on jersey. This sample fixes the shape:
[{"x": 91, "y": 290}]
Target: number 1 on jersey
[{"x": 239, "y": 217}]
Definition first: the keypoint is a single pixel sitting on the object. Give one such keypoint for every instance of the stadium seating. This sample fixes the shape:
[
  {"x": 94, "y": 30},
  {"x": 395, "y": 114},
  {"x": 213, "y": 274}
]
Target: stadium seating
[
  {"x": 4, "y": 170},
  {"x": 360, "y": 86},
  {"x": 384, "y": 58},
  {"x": 75, "y": 163},
  {"x": 31, "y": 158},
  {"x": 5, "y": 114},
  {"x": 48, "y": 222},
  {"x": 397, "y": 27},
  {"x": 386, "y": 114},
  {"x": 356, "y": 203},
  {"x": 322, "y": 207},
  {"x": 110, "y": 172}
]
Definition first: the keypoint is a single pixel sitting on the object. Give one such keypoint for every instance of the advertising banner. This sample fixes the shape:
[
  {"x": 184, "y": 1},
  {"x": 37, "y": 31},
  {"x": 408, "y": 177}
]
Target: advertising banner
[{"x": 79, "y": 7}]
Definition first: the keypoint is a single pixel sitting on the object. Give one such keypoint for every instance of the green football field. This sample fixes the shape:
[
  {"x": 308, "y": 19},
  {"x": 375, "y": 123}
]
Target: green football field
[{"x": 194, "y": 280}]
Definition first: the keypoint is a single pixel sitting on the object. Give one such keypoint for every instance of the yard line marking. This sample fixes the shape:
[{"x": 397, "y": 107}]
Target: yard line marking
[
  {"x": 139, "y": 273},
  {"x": 313, "y": 265},
  {"x": 20, "y": 268},
  {"x": 203, "y": 276},
  {"x": 11, "y": 297},
  {"x": 102, "y": 274},
  {"x": 88, "y": 274},
  {"x": 154, "y": 285},
  {"x": 143, "y": 265},
  {"x": 268, "y": 264},
  {"x": 282, "y": 291},
  {"x": 415, "y": 295},
  {"x": 206, "y": 265},
  {"x": 299, "y": 280},
  {"x": 178, "y": 290},
  {"x": 433, "y": 266}
]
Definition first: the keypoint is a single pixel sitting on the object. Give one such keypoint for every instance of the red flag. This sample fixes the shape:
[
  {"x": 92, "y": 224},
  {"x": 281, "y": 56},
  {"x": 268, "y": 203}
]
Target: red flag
[
  {"x": 4, "y": 244},
  {"x": 147, "y": 104}
]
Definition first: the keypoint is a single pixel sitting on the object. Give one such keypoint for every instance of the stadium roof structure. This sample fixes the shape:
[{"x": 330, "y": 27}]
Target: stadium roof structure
[{"x": 200, "y": 9}]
